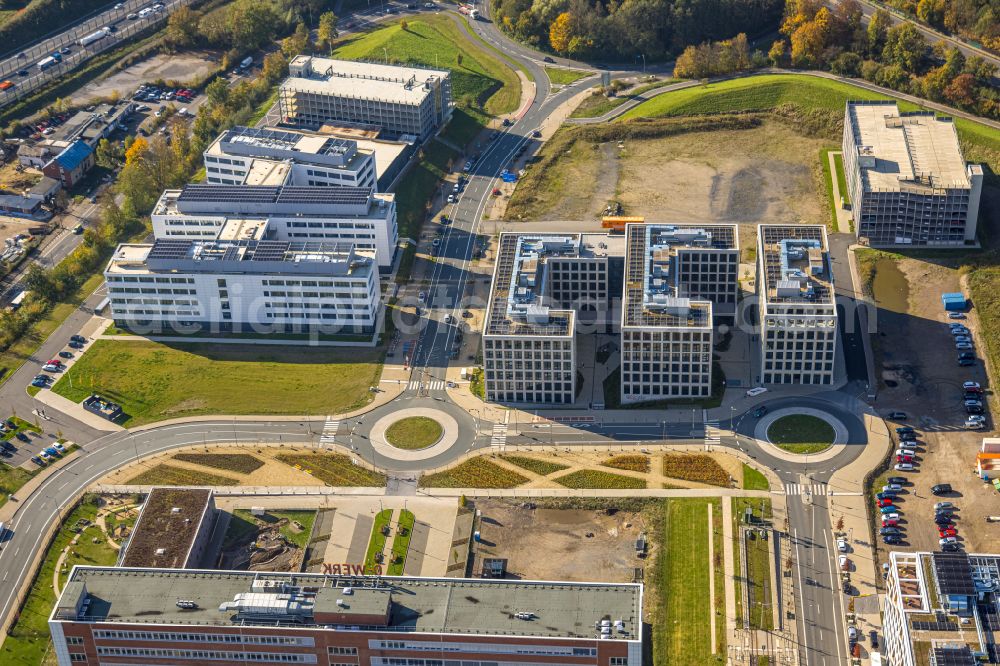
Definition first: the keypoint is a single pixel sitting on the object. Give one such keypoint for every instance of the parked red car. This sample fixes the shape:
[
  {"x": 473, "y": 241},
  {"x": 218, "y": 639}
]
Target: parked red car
[
  {"x": 950, "y": 532},
  {"x": 884, "y": 502},
  {"x": 889, "y": 522}
]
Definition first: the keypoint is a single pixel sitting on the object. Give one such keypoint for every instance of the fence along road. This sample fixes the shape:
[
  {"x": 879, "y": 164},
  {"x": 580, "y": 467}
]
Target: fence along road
[{"x": 125, "y": 29}]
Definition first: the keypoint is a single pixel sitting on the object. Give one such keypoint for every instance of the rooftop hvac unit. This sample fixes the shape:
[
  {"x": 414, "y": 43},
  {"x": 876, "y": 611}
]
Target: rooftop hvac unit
[
  {"x": 537, "y": 314},
  {"x": 788, "y": 288}
]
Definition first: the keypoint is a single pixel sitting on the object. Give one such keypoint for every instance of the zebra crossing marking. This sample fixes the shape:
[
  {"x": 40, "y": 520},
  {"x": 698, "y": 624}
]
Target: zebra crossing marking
[
  {"x": 499, "y": 435},
  {"x": 807, "y": 488},
  {"x": 432, "y": 385},
  {"x": 330, "y": 428}
]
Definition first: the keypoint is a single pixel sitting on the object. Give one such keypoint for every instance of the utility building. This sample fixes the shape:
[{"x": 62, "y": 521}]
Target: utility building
[
  {"x": 906, "y": 177},
  {"x": 797, "y": 310},
  {"x": 409, "y": 100}
]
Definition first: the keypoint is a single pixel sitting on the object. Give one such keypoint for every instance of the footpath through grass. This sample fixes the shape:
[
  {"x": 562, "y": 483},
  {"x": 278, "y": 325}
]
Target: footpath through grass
[
  {"x": 153, "y": 381},
  {"x": 681, "y": 621}
]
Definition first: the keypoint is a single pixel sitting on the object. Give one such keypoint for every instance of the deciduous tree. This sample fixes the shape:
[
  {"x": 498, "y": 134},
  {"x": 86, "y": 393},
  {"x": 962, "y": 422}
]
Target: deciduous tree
[{"x": 560, "y": 34}]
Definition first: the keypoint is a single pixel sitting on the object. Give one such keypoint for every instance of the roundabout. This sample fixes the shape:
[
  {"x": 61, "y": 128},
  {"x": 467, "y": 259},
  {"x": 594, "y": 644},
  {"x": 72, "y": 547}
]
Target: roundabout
[{"x": 417, "y": 433}]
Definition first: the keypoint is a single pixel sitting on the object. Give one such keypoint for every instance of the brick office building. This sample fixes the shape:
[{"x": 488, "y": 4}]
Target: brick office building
[{"x": 132, "y": 616}]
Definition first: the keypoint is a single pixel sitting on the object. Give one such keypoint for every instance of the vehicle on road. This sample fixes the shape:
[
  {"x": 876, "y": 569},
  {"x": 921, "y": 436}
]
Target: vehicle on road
[
  {"x": 451, "y": 198},
  {"x": 759, "y": 412},
  {"x": 896, "y": 416},
  {"x": 941, "y": 489},
  {"x": 755, "y": 391}
]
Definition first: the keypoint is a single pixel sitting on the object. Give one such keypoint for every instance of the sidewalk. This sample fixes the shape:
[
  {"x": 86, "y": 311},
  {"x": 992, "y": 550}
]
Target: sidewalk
[{"x": 866, "y": 577}]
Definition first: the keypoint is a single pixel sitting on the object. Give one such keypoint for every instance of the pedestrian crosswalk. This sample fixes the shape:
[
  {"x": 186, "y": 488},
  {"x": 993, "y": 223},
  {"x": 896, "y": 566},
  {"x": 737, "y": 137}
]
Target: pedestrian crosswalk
[
  {"x": 329, "y": 435},
  {"x": 430, "y": 385},
  {"x": 807, "y": 489},
  {"x": 713, "y": 436},
  {"x": 499, "y": 436}
]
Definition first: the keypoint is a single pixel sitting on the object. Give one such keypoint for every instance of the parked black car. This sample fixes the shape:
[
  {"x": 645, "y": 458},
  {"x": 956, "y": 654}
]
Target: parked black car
[{"x": 941, "y": 489}]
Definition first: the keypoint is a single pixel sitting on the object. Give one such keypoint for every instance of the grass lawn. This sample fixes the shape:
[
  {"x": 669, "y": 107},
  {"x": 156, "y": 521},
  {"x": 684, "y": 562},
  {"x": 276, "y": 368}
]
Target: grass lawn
[
  {"x": 563, "y": 77},
  {"x": 153, "y": 381},
  {"x": 593, "y": 478},
  {"x": 681, "y": 629},
  {"x": 754, "y": 480},
  {"x": 483, "y": 84},
  {"x": 29, "y": 637},
  {"x": 14, "y": 357},
  {"x": 542, "y": 467},
  {"x": 759, "y": 560},
  {"x": 415, "y": 432},
  {"x": 11, "y": 480},
  {"x": 22, "y": 426},
  {"x": 801, "y": 433},
  {"x": 599, "y": 104},
  {"x": 244, "y": 463},
  {"x": 824, "y": 163},
  {"x": 334, "y": 469},
  {"x": 377, "y": 542},
  {"x": 243, "y": 523},
  {"x": 477, "y": 384},
  {"x": 838, "y": 163},
  {"x": 169, "y": 475},
  {"x": 417, "y": 187},
  {"x": 768, "y": 91},
  {"x": 401, "y": 543},
  {"x": 474, "y": 473}
]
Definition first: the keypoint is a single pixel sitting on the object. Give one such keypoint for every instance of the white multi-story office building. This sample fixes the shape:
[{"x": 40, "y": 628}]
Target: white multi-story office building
[
  {"x": 244, "y": 284},
  {"x": 251, "y": 156},
  {"x": 907, "y": 179},
  {"x": 666, "y": 325},
  {"x": 548, "y": 288},
  {"x": 354, "y": 215},
  {"x": 941, "y": 609},
  {"x": 529, "y": 350},
  {"x": 402, "y": 100},
  {"x": 796, "y": 306}
]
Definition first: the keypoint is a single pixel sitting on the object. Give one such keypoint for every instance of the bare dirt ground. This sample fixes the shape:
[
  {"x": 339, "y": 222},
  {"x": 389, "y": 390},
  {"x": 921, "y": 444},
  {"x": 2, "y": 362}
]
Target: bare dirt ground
[
  {"x": 556, "y": 544},
  {"x": 181, "y": 67},
  {"x": 12, "y": 226},
  {"x": 767, "y": 174}
]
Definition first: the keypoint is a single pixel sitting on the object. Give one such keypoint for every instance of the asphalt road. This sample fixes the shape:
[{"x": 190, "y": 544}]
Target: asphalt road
[{"x": 26, "y": 59}]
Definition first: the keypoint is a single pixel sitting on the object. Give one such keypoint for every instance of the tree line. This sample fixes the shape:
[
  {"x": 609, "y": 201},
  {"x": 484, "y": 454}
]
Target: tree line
[
  {"x": 895, "y": 56},
  {"x": 978, "y": 20},
  {"x": 630, "y": 29}
]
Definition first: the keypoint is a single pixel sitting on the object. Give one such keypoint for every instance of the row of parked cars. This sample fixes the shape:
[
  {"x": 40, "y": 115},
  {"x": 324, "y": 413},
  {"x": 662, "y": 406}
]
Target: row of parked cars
[
  {"x": 150, "y": 93},
  {"x": 76, "y": 342}
]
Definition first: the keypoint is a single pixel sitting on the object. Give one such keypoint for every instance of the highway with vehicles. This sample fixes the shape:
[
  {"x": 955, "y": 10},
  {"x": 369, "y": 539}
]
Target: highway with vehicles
[
  {"x": 34, "y": 66},
  {"x": 819, "y": 603}
]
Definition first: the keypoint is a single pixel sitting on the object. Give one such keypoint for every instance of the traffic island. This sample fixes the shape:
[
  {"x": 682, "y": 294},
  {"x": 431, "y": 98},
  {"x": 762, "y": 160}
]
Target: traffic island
[
  {"x": 414, "y": 433},
  {"x": 803, "y": 434}
]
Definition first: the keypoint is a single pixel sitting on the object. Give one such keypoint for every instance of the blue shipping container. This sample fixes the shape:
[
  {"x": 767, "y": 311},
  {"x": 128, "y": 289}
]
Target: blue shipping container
[{"x": 953, "y": 301}]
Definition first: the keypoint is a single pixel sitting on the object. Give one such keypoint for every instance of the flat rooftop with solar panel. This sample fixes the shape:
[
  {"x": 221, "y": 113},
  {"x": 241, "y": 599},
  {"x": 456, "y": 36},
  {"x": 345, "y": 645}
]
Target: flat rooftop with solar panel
[{"x": 942, "y": 608}]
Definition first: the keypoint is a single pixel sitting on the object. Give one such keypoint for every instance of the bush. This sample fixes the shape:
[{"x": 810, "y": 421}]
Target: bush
[
  {"x": 697, "y": 467},
  {"x": 236, "y": 462},
  {"x": 634, "y": 462},
  {"x": 474, "y": 473},
  {"x": 542, "y": 467},
  {"x": 593, "y": 478}
]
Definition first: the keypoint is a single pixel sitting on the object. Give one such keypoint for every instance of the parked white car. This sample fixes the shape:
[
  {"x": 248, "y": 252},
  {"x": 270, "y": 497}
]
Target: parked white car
[{"x": 755, "y": 391}]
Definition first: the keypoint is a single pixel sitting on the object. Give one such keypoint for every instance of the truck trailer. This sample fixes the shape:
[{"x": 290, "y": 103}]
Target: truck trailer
[{"x": 95, "y": 36}]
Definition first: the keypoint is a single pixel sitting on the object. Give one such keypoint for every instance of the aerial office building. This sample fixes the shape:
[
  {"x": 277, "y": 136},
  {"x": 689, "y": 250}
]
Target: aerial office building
[
  {"x": 673, "y": 275},
  {"x": 243, "y": 282},
  {"x": 354, "y": 215},
  {"x": 252, "y": 156},
  {"x": 133, "y": 617},
  {"x": 906, "y": 177},
  {"x": 529, "y": 349},
  {"x": 404, "y": 101},
  {"x": 941, "y": 609},
  {"x": 797, "y": 310},
  {"x": 548, "y": 288}
]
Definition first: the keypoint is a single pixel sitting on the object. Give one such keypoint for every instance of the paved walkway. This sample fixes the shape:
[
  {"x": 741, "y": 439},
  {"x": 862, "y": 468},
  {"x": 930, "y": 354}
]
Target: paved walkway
[
  {"x": 713, "y": 611},
  {"x": 729, "y": 564}
]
